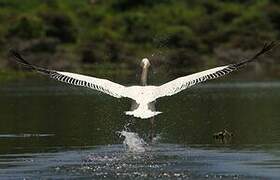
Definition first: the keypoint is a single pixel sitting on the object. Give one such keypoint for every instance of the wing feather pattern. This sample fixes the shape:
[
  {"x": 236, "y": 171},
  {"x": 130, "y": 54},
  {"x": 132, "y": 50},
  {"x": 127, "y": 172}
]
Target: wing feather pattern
[
  {"x": 179, "y": 84},
  {"x": 102, "y": 85}
]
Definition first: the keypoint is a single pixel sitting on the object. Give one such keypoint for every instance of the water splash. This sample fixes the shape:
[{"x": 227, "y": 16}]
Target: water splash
[
  {"x": 133, "y": 142},
  {"x": 157, "y": 138}
]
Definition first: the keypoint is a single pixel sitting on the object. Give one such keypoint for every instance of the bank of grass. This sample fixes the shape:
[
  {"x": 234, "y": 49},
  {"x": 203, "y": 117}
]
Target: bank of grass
[{"x": 83, "y": 35}]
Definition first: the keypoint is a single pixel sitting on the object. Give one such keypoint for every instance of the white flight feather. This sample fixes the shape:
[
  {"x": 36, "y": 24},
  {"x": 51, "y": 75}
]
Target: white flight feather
[
  {"x": 179, "y": 84},
  {"x": 103, "y": 85},
  {"x": 143, "y": 95}
]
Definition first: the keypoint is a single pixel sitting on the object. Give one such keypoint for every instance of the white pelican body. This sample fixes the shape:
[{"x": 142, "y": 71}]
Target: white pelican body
[{"x": 144, "y": 96}]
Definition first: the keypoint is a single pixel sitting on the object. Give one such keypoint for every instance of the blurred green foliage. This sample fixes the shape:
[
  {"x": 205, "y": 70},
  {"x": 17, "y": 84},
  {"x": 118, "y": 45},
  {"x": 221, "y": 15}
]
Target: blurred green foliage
[{"x": 182, "y": 33}]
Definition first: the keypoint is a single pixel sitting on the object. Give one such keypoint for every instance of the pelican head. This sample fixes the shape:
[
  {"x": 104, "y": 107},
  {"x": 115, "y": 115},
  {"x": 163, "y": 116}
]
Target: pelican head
[{"x": 145, "y": 63}]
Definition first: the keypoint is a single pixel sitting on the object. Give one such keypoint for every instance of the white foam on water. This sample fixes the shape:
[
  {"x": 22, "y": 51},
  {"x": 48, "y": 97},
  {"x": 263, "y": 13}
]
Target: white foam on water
[
  {"x": 157, "y": 138},
  {"x": 133, "y": 142}
]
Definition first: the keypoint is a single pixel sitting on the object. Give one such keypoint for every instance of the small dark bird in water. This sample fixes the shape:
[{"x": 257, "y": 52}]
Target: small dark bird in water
[{"x": 223, "y": 136}]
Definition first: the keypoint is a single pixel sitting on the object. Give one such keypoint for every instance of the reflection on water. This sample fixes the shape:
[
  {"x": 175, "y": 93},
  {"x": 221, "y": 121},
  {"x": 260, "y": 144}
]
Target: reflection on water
[
  {"x": 24, "y": 135},
  {"x": 55, "y": 131},
  {"x": 161, "y": 161}
]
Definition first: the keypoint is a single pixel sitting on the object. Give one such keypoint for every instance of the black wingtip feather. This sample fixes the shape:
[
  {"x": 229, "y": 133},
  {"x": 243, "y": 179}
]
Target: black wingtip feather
[
  {"x": 21, "y": 60},
  {"x": 267, "y": 47}
]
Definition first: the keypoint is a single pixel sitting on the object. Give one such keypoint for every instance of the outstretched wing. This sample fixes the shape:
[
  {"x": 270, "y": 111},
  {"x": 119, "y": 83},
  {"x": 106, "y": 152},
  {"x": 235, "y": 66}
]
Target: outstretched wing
[
  {"x": 182, "y": 83},
  {"x": 102, "y": 85}
]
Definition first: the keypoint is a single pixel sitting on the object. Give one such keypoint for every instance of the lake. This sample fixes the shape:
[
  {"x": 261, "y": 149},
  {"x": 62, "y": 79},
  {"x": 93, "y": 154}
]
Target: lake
[{"x": 50, "y": 130}]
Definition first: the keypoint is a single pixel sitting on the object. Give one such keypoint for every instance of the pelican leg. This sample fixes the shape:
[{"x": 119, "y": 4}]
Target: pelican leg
[
  {"x": 152, "y": 106},
  {"x": 152, "y": 130},
  {"x": 132, "y": 121}
]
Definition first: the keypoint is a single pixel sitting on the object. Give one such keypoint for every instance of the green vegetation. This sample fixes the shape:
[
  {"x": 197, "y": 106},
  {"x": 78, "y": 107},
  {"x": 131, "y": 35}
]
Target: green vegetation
[{"x": 184, "y": 33}]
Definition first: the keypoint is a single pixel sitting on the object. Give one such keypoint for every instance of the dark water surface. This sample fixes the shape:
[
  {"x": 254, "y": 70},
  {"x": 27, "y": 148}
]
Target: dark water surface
[{"x": 51, "y": 130}]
